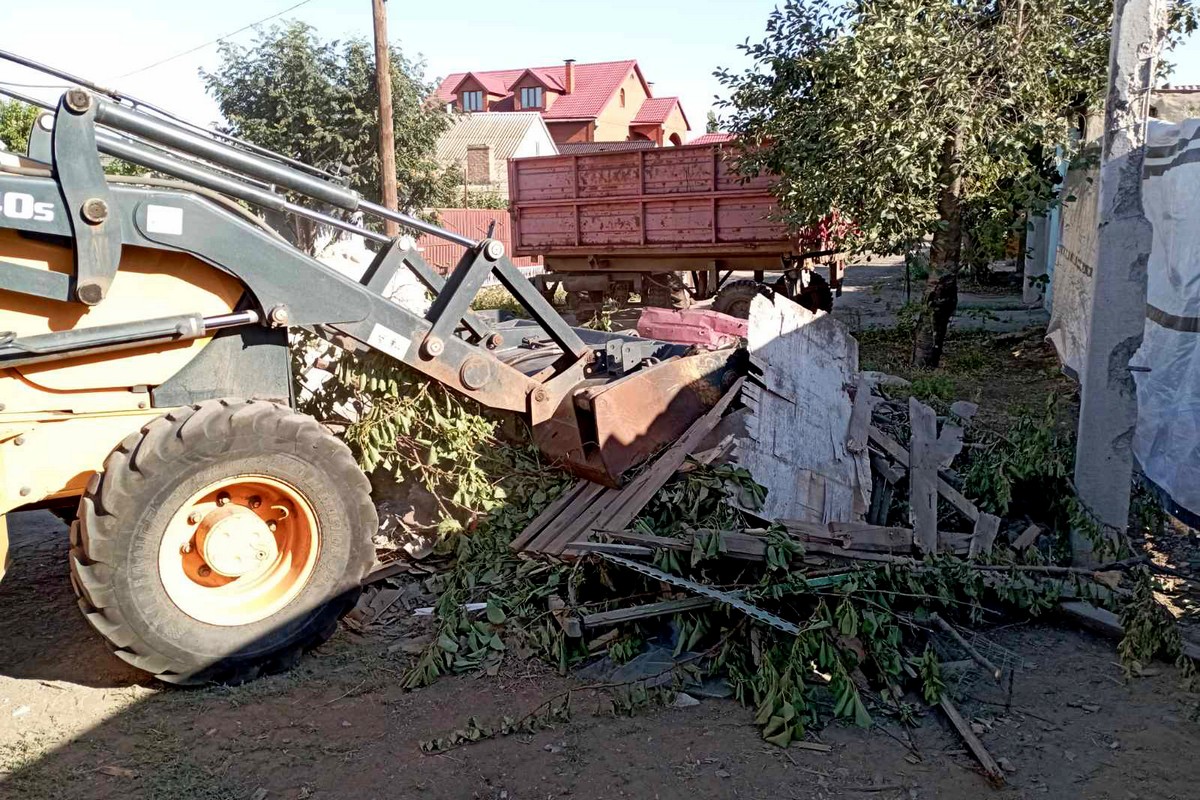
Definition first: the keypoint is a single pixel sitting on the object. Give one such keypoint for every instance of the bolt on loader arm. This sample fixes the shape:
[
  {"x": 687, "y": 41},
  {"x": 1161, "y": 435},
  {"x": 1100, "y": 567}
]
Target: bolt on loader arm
[{"x": 598, "y": 403}]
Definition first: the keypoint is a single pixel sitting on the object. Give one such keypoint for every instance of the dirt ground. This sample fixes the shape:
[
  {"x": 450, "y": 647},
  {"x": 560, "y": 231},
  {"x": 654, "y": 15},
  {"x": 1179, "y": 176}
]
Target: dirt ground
[{"x": 75, "y": 722}]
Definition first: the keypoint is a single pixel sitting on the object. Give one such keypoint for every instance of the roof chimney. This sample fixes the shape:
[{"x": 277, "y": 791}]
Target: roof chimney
[{"x": 569, "y": 75}]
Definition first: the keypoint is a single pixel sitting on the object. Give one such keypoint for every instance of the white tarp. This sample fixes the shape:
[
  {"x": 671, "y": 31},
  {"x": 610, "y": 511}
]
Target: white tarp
[
  {"x": 1167, "y": 441},
  {"x": 1167, "y": 366}
]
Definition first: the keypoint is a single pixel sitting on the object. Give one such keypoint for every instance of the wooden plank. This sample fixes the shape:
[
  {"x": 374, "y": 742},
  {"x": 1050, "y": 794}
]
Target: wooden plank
[
  {"x": 1028, "y": 537},
  {"x": 575, "y": 526},
  {"x": 886, "y": 470},
  {"x": 614, "y": 509},
  {"x": 860, "y": 416},
  {"x": 1109, "y": 624},
  {"x": 957, "y": 543},
  {"x": 795, "y": 443},
  {"x": 639, "y": 491},
  {"x": 922, "y": 474},
  {"x": 986, "y": 528},
  {"x": 990, "y": 767},
  {"x": 875, "y": 538},
  {"x": 549, "y": 513},
  {"x": 616, "y": 617},
  {"x": 898, "y": 454},
  {"x": 554, "y": 528}
]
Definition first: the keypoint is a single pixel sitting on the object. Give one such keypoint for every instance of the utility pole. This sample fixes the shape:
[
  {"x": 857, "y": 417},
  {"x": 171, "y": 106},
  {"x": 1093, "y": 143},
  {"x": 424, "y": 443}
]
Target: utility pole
[
  {"x": 1117, "y": 313},
  {"x": 387, "y": 136}
]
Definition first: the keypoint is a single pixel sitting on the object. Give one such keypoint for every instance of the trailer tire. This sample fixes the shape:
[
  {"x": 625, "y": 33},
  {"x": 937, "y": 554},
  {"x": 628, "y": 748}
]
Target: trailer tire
[
  {"x": 734, "y": 298},
  {"x": 817, "y": 296},
  {"x": 665, "y": 291},
  {"x": 124, "y": 547}
]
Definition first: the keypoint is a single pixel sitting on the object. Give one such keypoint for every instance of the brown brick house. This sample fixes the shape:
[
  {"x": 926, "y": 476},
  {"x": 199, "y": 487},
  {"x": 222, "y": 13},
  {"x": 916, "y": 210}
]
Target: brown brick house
[{"x": 603, "y": 102}]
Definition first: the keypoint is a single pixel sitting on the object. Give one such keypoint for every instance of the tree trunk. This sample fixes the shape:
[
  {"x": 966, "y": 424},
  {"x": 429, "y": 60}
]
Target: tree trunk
[{"x": 945, "y": 255}]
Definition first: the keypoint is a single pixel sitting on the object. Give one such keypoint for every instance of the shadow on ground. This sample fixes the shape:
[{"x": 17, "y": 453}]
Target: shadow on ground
[{"x": 75, "y": 722}]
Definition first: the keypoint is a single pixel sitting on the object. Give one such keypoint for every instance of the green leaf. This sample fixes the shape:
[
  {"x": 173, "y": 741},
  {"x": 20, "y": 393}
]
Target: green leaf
[{"x": 495, "y": 614}]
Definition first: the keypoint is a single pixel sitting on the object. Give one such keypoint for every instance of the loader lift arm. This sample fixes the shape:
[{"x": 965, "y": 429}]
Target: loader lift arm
[{"x": 595, "y": 407}]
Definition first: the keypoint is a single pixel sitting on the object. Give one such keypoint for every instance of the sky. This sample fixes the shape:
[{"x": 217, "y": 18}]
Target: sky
[{"x": 678, "y": 43}]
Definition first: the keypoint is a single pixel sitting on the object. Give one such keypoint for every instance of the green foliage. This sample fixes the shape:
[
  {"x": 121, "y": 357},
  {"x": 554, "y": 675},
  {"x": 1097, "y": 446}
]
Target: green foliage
[
  {"x": 1031, "y": 454},
  {"x": 711, "y": 123},
  {"x": 16, "y": 121},
  {"x": 853, "y": 103},
  {"x": 316, "y": 101},
  {"x": 485, "y": 199},
  {"x": 933, "y": 386},
  {"x": 1151, "y": 631},
  {"x": 929, "y": 668}
]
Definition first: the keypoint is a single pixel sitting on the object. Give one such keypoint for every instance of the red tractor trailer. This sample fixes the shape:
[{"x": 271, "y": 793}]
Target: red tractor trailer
[{"x": 672, "y": 225}]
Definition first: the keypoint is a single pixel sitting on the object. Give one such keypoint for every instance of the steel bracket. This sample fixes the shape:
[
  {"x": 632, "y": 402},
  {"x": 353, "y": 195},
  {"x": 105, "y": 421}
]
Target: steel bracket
[{"x": 95, "y": 226}]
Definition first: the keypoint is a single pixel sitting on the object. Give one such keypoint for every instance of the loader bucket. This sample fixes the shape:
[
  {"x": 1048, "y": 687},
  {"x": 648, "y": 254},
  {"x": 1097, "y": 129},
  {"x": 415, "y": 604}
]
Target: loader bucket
[{"x": 606, "y": 427}]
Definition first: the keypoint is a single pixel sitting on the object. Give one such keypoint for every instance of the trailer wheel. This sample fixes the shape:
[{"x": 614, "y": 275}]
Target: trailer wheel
[
  {"x": 817, "y": 296},
  {"x": 665, "y": 291},
  {"x": 221, "y": 541},
  {"x": 734, "y": 298}
]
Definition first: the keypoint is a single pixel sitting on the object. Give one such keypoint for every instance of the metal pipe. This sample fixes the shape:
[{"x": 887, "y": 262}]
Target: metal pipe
[
  {"x": 119, "y": 95},
  {"x": 334, "y": 222},
  {"x": 62, "y": 345},
  {"x": 412, "y": 222},
  {"x": 160, "y": 161},
  {"x": 205, "y": 177},
  {"x": 172, "y": 136}
]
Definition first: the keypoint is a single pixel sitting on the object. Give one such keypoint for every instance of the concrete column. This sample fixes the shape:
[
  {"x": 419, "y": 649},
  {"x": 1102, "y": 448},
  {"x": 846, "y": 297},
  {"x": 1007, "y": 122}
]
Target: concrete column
[
  {"x": 1037, "y": 241},
  {"x": 1108, "y": 414}
]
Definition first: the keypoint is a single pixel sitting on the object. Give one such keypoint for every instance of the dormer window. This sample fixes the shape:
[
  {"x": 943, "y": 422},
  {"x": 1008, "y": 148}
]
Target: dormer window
[
  {"x": 531, "y": 97},
  {"x": 472, "y": 101}
]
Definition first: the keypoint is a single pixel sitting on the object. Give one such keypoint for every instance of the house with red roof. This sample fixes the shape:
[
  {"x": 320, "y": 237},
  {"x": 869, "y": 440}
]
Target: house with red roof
[{"x": 609, "y": 101}]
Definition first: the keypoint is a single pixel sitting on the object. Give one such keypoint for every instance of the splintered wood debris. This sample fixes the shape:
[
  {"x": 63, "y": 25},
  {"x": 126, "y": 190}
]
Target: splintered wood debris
[{"x": 802, "y": 424}]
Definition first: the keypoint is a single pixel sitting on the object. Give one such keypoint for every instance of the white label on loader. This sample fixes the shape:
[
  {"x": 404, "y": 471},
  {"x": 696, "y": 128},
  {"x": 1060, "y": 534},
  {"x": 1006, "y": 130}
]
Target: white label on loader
[
  {"x": 164, "y": 219},
  {"x": 389, "y": 341}
]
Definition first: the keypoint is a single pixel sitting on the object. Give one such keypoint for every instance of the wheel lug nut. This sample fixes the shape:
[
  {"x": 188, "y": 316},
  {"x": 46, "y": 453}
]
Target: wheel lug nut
[
  {"x": 187, "y": 547},
  {"x": 271, "y": 526},
  {"x": 204, "y": 571},
  {"x": 255, "y": 502},
  {"x": 223, "y": 499},
  {"x": 194, "y": 518}
]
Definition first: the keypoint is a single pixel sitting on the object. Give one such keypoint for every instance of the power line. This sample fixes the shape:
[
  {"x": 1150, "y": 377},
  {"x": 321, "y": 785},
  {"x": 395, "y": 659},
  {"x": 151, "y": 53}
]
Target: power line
[{"x": 215, "y": 41}]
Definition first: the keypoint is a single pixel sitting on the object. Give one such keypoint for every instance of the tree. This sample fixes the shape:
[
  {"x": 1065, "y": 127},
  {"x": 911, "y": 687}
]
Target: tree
[
  {"x": 16, "y": 121},
  {"x": 918, "y": 118},
  {"x": 317, "y": 102},
  {"x": 712, "y": 124}
]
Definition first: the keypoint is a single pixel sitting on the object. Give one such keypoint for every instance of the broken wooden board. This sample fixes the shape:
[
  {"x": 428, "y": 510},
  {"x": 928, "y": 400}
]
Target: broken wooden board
[
  {"x": 986, "y": 528},
  {"x": 852, "y": 535},
  {"x": 587, "y": 507},
  {"x": 1028, "y": 537},
  {"x": 900, "y": 455},
  {"x": 796, "y": 439},
  {"x": 990, "y": 767},
  {"x": 924, "y": 459}
]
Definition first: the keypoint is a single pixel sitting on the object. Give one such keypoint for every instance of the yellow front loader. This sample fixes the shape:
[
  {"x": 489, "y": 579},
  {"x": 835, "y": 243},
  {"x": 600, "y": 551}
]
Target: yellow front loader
[{"x": 146, "y": 393}]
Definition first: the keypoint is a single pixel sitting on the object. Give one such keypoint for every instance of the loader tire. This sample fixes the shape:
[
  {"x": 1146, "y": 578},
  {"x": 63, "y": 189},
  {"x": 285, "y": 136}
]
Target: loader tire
[{"x": 250, "y": 482}]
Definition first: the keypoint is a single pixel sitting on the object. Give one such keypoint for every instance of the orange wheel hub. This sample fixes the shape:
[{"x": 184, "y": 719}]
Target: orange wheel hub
[{"x": 239, "y": 550}]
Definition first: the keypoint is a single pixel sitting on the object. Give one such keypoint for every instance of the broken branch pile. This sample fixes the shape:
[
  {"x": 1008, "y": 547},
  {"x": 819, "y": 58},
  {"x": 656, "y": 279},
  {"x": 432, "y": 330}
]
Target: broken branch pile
[{"x": 807, "y": 541}]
